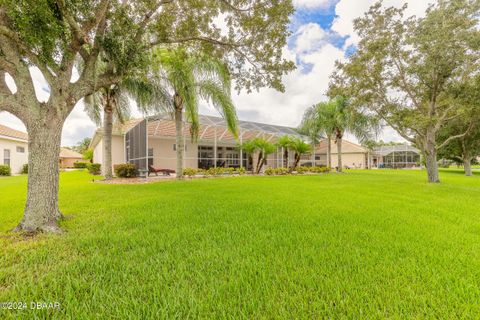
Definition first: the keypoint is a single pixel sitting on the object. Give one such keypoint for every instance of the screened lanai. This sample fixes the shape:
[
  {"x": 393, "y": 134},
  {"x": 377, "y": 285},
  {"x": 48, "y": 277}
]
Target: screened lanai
[
  {"x": 395, "y": 157},
  {"x": 152, "y": 140}
]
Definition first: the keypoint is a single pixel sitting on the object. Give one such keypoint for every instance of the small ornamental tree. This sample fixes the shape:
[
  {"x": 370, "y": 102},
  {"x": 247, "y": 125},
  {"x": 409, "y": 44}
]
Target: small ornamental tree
[{"x": 57, "y": 35}]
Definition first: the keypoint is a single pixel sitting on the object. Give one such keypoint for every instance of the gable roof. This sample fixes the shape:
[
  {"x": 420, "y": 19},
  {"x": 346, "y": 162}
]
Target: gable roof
[
  {"x": 67, "y": 153},
  {"x": 12, "y": 133},
  {"x": 347, "y": 147}
]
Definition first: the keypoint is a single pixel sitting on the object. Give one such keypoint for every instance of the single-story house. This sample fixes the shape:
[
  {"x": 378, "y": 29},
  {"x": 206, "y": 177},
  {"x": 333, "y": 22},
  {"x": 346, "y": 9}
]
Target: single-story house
[
  {"x": 153, "y": 138},
  {"x": 395, "y": 157},
  {"x": 13, "y": 148},
  {"x": 68, "y": 157}
]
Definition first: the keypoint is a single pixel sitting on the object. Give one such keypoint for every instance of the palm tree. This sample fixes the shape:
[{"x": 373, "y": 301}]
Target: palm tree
[
  {"x": 285, "y": 142},
  {"x": 319, "y": 120},
  {"x": 300, "y": 148},
  {"x": 260, "y": 146},
  {"x": 189, "y": 78},
  {"x": 337, "y": 117},
  {"x": 114, "y": 102}
]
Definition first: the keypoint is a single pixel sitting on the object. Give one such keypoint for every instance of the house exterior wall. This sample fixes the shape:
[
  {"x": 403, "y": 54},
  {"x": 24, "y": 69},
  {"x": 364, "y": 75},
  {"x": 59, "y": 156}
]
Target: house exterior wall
[
  {"x": 165, "y": 157},
  {"x": 351, "y": 160},
  {"x": 118, "y": 151},
  {"x": 68, "y": 162},
  {"x": 17, "y": 159}
]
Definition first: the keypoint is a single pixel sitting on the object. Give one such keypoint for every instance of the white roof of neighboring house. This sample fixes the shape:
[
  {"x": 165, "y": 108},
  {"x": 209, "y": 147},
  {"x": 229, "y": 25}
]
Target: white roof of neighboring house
[
  {"x": 386, "y": 150},
  {"x": 12, "y": 133},
  {"x": 67, "y": 153}
]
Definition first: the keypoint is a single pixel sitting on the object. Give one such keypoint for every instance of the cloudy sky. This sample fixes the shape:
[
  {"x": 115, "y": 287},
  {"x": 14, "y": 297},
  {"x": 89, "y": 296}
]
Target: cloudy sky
[{"x": 322, "y": 33}]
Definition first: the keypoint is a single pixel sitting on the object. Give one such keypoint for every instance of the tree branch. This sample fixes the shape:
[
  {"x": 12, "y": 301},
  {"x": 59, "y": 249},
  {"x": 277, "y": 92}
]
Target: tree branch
[
  {"x": 197, "y": 38},
  {"x": 455, "y": 137},
  {"x": 231, "y": 6}
]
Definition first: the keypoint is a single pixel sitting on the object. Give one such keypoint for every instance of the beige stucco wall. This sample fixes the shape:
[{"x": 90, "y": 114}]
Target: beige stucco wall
[
  {"x": 164, "y": 156},
  {"x": 352, "y": 160},
  {"x": 68, "y": 162},
  {"x": 17, "y": 159},
  {"x": 118, "y": 151}
]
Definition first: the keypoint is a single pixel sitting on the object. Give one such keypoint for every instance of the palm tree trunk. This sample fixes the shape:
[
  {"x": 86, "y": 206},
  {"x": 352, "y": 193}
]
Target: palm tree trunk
[
  {"x": 339, "y": 154},
  {"x": 329, "y": 151},
  {"x": 179, "y": 141},
  {"x": 285, "y": 155},
  {"x": 259, "y": 163},
  {"x": 107, "y": 140}
]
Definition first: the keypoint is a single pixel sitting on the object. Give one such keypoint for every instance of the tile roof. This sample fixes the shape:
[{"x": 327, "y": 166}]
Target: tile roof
[{"x": 12, "y": 133}]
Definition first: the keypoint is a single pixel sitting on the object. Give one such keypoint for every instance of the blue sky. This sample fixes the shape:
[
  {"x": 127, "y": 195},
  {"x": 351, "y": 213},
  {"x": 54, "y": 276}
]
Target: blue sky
[{"x": 322, "y": 33}]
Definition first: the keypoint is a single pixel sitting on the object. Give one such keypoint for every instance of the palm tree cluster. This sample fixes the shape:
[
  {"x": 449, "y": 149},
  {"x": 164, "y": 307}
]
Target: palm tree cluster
[
  {"x": 332, "y": 119},
  {"x": 175, "y": 83}
]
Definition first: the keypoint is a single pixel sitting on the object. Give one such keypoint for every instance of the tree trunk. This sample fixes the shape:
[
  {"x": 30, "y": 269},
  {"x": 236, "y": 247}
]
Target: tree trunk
[
  {"x": 431, "y": 158},
  {"x": 467, "y": 165},
  {"x": 107, "y": 141},
  {"x": 179, "y": 141},
  {"x": 41, "y": 209},
  {"x": 285, "y": 155},
  {"x": 339, "y": 154},
  {"x": 329, "y": 151},
  {"x": 259, "y": 163}
]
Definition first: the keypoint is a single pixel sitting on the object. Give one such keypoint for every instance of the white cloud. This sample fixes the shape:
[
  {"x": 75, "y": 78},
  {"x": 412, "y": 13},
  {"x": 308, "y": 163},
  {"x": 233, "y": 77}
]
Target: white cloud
[
  {"x": 309, "y": 36},
  {"x": 311, "y": 4}
]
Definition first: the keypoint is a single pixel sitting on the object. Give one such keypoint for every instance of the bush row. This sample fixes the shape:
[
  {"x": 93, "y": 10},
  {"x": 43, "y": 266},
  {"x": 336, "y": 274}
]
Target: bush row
[
  {"x": 300, "y": 170},
  {"x": 213, "y": 171},
  {"x": 80, "y": 165}
]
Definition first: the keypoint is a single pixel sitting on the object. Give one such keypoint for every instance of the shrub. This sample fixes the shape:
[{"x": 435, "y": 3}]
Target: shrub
[
  {"x": 240, "y": 171},
  {"x": 302, "y": 170},
  {"x": 5, "y": 170},
  {"x": 80, "y": 165},
  {"x": 126, "y": 170},
  {"x": 190, "y": 172},
  {"x": 24, "y": 169},
  {"x": 229, "y": 171},
  {"x": 281, "y": 171},
  {"x": 270, "y": 171},
  {"x": 94, "y": 168},
  {"x": 319, "y": 169}
]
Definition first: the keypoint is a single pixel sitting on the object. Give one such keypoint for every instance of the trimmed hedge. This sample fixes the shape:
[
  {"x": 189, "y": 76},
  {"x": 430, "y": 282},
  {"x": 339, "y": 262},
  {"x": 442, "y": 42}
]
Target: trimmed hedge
[
  {"x": 126, "y": 170},
  {"x": 94, "y": 168},
  {"x": 190, "y": 172},
  {"x": 299, "y": 170},
  {"x": 80, "y": 165},
  {"x": 5, "y": 170}
]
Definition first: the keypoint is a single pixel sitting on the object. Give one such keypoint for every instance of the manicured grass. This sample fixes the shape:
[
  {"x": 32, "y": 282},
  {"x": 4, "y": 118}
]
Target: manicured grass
[{"x": 365, "y": 244}]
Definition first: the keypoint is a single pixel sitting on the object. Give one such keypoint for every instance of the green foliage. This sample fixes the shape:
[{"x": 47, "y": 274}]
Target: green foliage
[
  {"x": 260, "y": 146},
  {"x": 421, "y": 60},
  {"x": 125, "y": 170},
  {"x": 24, "y": 169},
  {"x": 80, "y": 165},
  {"x": 190, "y": 172},
  {"x": 299, "y": 169},
  {"x": 88, "y": 155},
  {"x": 194, "y": 76},
  {"x": 240, "y": 171},
  {"x": 82, "y": 146},
  {"x": 5, "y": 170},
  {"x": 94, "y": 168}
]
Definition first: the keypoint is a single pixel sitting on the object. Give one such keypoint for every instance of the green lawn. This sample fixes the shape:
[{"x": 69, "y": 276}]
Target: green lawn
[{"x": 365, "y": 244}]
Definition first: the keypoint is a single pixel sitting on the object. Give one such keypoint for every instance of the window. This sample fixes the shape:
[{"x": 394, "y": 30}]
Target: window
[
  {"x": 150, "y": 152},
  {"x": 6, "y": 157},
  {"x": 20, "y": 149}
]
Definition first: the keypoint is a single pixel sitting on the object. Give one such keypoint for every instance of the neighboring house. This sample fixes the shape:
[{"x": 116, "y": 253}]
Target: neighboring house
[
  {"x": 69, "y": 157},
  {"x": 354, "y": 156},
  {"x": 154, "y": 138},
  {"x": 13, "y": 148},
  {"x": 395, "y": 157}
]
